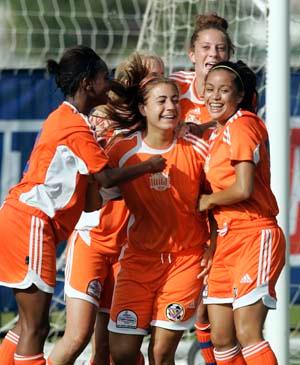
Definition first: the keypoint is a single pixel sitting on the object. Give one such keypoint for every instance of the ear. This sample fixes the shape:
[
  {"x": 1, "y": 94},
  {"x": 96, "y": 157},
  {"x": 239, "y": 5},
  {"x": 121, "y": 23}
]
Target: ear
[
  {"x": 86, "y": 84},
  {"x": 142, "y": 109},
  {"x": 240, "y": 97},
  {"x": 192, "y": 55}
]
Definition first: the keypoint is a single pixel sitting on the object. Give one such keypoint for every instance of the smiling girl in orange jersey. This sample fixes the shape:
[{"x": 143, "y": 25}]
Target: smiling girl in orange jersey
[
  {"x": 210, "y": 43},
  {"x": 44, "y": 207},
  {"x": 250, "y": 250},
  {"x": 157, "y": 284}
]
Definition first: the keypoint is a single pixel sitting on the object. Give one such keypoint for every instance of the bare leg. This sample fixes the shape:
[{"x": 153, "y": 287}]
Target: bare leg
[
  {"x": 33, "y": 306},
  {"x": 81, "y": 317},
  {"x": 163, "y": 345},
  {"x": 249, "y": 322},
  {"x": 101, "y": 353},
  {"x": 125, "y": 348}
]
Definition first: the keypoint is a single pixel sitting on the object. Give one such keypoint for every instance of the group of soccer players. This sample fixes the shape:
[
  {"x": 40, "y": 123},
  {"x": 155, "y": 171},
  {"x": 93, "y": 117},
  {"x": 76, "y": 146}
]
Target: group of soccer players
[{"x": 166, "y": 199}]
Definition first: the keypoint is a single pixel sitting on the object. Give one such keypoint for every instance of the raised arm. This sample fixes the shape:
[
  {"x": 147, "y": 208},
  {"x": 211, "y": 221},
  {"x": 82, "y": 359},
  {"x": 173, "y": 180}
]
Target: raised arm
[{"x": 111, "y": 177}]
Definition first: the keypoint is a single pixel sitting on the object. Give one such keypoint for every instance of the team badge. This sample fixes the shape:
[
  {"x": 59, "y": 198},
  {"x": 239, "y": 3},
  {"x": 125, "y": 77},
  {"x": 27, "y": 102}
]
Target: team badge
[
  {"x": 160, "y": 181},
  {"x": 175, "y": 312},
  {"x": 126, "y": 319},
  {"x": 94, "y": 289}
]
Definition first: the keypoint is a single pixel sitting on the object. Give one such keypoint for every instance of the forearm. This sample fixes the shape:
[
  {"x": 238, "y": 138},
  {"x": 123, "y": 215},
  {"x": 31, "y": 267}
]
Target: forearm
[
  {"x": 232, "y": 195},
  {"x": 111, "y": 177},
  {"x": 93, "y": 198}
]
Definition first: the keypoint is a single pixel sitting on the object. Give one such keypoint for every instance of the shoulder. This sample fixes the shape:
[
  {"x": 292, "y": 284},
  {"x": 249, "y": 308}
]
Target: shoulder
[
  {"x": 185, "y": 77},
  {"x": 198, "y": 144},
  {"x": 120, "y": 144},
  {"x": 245, "y": 120}
]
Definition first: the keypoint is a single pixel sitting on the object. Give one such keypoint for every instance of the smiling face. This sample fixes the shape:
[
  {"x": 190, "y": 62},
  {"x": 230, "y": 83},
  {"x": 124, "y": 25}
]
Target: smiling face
[
  {"x": 161, "y": 107},
  {"x": 209, "y": 48},
  {"x": 221, "y": 95}
]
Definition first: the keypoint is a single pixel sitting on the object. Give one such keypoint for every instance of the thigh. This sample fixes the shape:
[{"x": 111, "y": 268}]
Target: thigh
[
  {"x": 261, "y": 259},
  {"x": 109, "y": 285},
  {"x": 28, "y": 246},
  {"x": 86, "y": 270},
  {"x": 179, "y": 292},
  {"x": 124, "y": 348},
  {"x": 219, "y": 288},
  {"x": 163, "y": 345},
  {"x": 249, "y": 322},
  {"x": 222, "y": 325},
  {"x": 134, "y": 293},
  {"x": 80, "y": 318}
]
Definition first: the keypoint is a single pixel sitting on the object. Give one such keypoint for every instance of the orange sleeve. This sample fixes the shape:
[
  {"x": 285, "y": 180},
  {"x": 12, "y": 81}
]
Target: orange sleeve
[
  {"x": 244, "y": 139},
  {"x": 84, "y": 145}
]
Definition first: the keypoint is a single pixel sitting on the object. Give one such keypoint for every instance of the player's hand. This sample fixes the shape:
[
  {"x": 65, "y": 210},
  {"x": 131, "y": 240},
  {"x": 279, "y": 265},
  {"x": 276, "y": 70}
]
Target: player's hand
[
  {"x": 181, "y": 130},
  {"x": 206, "y": 263},
  {"x": 156, "y": 163},
  {"x": 205, "y": 202}
]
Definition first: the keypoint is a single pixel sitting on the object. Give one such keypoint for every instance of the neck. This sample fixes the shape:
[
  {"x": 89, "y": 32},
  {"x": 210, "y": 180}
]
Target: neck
[
  {"x": 199, "y": 87},
  {"x": 159, "y": 138},
  {"x": 79, "y": 103}
]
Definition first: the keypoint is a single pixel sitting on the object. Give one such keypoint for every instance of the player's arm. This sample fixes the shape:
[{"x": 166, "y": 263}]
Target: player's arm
[
  {"x": 109, "y": 177},
  {"x": 93, "y": 199},
  {"x": 237, "y": 192}
]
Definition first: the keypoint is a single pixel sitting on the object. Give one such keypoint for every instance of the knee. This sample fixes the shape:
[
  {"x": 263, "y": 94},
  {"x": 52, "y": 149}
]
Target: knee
[
  {"x": 248, "y": 334},
  {"x": 123, "y": 355},
  {"x": 161, "y": 355},
  {"x": 222, "y": 340}
]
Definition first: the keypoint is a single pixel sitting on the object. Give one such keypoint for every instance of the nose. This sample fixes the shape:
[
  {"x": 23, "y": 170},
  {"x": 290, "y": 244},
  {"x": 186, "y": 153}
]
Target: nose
[
  {"x": 213, "y": 51},
  {"x": 216, "y": 95}
]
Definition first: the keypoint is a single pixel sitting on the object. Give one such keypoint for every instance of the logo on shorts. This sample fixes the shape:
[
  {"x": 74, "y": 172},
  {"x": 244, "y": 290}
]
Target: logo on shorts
[
  {"x": 126, "y": 319},
  {"x": 175, "y": 312},
  {"x": 246, "y": 279},
  {"x": 94, "y": 289},
  {"x": 160, "y": 181}
]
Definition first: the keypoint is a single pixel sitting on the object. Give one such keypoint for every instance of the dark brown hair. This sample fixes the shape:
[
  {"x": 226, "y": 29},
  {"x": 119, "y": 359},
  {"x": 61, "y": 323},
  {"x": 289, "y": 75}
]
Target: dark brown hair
[{"x": 211, "y": 21}]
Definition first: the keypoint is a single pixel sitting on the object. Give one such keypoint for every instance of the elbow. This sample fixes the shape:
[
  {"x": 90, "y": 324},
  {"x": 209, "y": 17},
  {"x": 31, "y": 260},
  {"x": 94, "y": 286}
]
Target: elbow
[{"x": 245, "y": 193}]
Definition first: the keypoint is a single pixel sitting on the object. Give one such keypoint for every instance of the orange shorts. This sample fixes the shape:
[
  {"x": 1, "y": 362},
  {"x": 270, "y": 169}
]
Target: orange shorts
[
  {"x": 246, "y": 266},
  {"x": 90, "y": 275},
  {"x": 156, "y": 290},
  {"x": 27, "y": 250}
]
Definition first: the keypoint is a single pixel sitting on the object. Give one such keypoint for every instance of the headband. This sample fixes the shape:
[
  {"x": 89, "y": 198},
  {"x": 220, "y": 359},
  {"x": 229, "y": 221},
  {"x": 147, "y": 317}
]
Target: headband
[{"x": 232, "y": 70}]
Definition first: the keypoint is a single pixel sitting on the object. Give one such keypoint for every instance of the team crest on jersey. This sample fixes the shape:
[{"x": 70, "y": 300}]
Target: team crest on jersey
[
  {"x": 160, "y": 181},
  {"x": 126, "y": 319},
  {"x": 175, "y": 312},
  {"x": 94, "y": 289}
]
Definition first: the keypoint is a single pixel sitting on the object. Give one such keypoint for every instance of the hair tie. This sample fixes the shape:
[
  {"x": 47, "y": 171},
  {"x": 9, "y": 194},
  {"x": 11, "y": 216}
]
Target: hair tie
[{"x": 147, "y": 79}]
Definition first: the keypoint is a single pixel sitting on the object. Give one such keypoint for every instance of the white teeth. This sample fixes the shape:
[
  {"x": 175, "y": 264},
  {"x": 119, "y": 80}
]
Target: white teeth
[{"x": 216, "y": 105}]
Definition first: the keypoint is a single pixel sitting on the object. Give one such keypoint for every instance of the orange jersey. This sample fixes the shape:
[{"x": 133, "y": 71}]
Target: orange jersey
[
  {"x": 193, "y": 109},
  {"x": 55, "y": 179},
  {"x": 243, "y": 138},
  {"x": 106, "y": 228},
  {"x": 163, "y": 206}
]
